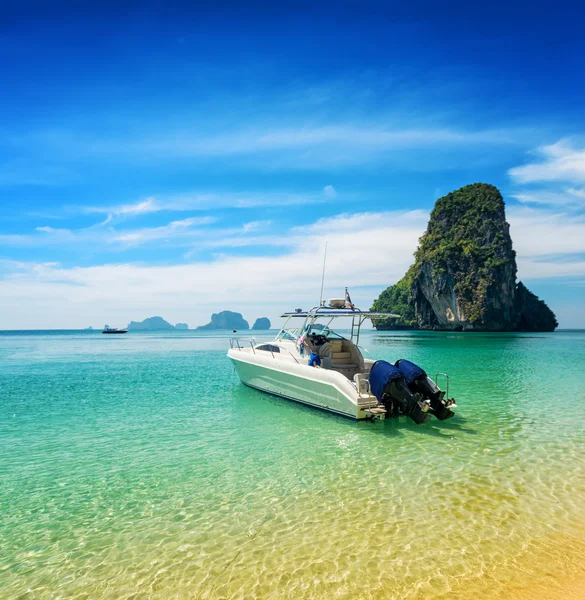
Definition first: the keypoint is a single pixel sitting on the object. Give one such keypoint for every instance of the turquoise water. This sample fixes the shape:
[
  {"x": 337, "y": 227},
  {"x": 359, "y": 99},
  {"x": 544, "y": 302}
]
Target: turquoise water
[{"x": 137, "y": 466}]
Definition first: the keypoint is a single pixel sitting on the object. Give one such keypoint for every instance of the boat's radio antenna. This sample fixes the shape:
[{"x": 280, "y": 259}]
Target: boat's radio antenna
[{"x": 323, "y": 276}]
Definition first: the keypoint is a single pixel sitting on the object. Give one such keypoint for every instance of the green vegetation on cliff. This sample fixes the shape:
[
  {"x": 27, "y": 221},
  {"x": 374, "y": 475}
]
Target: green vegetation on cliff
[
  {"x": 464, "y": 274},
  {"x": 397, "y": 299},
  {"x": 468, "y": 239}
]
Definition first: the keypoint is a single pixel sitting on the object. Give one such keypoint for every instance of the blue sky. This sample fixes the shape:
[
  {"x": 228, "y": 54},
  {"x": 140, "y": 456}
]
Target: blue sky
[{"x": 181, "y": 159}]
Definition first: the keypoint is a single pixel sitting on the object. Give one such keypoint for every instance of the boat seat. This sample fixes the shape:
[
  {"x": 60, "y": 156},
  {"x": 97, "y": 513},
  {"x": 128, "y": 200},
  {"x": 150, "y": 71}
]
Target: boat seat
[
  {"x": 340, "y": 357},
  {"x": 335, "y": 346},
  {"x": 344, "y": 366}
]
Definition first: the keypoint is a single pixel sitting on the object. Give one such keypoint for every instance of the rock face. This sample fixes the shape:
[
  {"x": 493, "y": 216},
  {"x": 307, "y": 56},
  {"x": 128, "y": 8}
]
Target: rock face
[
  {"x": 150, "y": 324},
  {"x": 464, "y": 275},
  {"x": 225, "y": 320},
  {"x": 533, "y": 314},
  {"x": 262, "y": 323},
  {"x": 181, "y": 326}
]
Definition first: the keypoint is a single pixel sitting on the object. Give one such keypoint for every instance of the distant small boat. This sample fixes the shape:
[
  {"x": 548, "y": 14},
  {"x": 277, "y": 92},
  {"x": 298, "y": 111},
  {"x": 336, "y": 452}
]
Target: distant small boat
[{"x": 108, "y": 329}]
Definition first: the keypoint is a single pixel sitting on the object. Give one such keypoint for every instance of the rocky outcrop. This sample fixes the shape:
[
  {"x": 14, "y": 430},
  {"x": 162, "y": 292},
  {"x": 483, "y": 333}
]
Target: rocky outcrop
[
  {"x": 225, "y": 320},
  {"x": 181, "y": 326},
  {"x": 150, "y": 324},
  {"x": 464, "y": 275},
  {"x": 533, "y": 314},
  {"x": 261, "y": 323}
]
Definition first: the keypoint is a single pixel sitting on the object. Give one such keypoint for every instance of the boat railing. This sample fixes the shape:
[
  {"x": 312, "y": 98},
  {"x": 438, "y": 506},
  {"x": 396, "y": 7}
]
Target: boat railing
[
  {"x": 446, "y": 377},
  {"x": 240, "y": 344},
  {"x": 236, "y": 344},
  {"x": 282, "y": 348},
  {"x": 365, "y": 350}
]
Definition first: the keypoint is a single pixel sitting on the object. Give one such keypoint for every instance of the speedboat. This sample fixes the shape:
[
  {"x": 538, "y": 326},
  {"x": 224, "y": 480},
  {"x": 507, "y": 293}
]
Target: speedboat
[
  {"x": 312, "y": 364},
  {"x": 108, "y": 329}
]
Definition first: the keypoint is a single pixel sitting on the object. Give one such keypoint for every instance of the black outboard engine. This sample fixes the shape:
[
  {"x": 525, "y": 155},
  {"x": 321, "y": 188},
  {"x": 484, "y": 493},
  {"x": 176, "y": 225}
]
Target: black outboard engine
[
  {"x": 420, "y": 383},
  {"x": 391, "y": 389}
]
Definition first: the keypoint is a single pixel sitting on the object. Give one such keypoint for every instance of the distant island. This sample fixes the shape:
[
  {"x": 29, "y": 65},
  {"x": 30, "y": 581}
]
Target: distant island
[
  {"x": 225, "y": 320},
  {"x": 154, "y": 324},
  {"x": 261, "y": 324},
  {"x": 464, "y": 274}
]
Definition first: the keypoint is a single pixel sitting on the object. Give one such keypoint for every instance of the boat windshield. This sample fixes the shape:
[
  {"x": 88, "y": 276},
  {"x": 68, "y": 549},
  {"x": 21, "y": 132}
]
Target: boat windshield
[
  {"x": 318, "y": 329},
  {"x": 288, "y": 334}
]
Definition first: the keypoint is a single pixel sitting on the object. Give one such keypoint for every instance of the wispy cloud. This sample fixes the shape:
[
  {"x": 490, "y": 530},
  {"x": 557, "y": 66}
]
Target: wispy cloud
[
  {"x": 569, "y": 197},
  {"x": 541, "y": 232},
  {"x": 555, "y": 179},
  {"x": 549, "y": 244},
  {"x": 173, "y": 231},
  {"x": 309, "y": 144},
  {"x": 202, "y": 201},
  {"x": 351, "y": 142},
  {"x": 255, "y": 226},
  {"x": 134, "y": 291},
  {"x": 138, "y": 208},
  {"x": 101, "y": 237},
  {"x": 329, "y": 191},
  {"x": 148, "y": 205},
  {"x": 561, "y": 162}
]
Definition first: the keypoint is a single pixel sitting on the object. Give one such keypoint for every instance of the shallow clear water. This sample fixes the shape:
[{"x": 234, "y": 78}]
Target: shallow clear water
[{"x": 138, "y": 466}]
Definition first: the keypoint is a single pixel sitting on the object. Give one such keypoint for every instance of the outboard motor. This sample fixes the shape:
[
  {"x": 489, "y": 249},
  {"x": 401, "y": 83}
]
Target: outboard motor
[
  {"x": 419, "y": 382},
  {"x": 391, "y": 389}
]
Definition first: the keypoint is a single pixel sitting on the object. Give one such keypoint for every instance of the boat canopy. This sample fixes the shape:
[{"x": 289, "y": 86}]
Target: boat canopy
[
  {"x": 338, "y": 312},
  {"x": 356, "y": 315}
]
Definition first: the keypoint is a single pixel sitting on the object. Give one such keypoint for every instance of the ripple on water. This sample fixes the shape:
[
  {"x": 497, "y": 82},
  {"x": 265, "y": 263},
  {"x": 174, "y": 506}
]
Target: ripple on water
[{"x": 144, "y": 469}]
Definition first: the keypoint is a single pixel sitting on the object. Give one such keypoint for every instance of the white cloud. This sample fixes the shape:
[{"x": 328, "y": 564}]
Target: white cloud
[
  {"x": 142, "y": 207},
  {"x": 577, "y": 193},
  {"x": 351, "y": 141},
  {"x": 569, "y": 197},
  {"x": 174, "y": 230},
  {"x": 255, "y": 226},
  {"x": 107, "y": 220},
  {"x": 306, "y": 144},
  {"x": 539, "y": 232},
  {"x": 560, "y": 162},
  {"x": 366, "y": 251},
  {"x": 546, "y": 269},
  {"x": 378, "y": 252},
  {"x": 202, "y": 201},
  {"x": 147, "y": 206},
  {"x": 100, "y": 237},
  {"x": 138, "y": 208},
  {"x": 329, "y": 191}
]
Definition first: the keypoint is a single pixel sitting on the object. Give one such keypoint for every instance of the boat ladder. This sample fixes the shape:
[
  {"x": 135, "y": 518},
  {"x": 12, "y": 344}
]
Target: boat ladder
[{"x": 376, "y": 412}]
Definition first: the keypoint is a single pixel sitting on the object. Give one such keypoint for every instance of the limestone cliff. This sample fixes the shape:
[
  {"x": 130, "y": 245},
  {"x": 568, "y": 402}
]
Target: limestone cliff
[
  {"x": 262, "y": 323},
  {"x": 533, "y": 314},
  {"x": 464, "y": 275},
  {"x": 225, "y": 320},
  {"x": 150, "y": 324}
]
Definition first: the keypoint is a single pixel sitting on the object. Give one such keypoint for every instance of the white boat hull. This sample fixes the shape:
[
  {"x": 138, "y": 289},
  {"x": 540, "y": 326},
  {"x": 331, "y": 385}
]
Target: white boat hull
[{"x": 320, "y": 388}]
